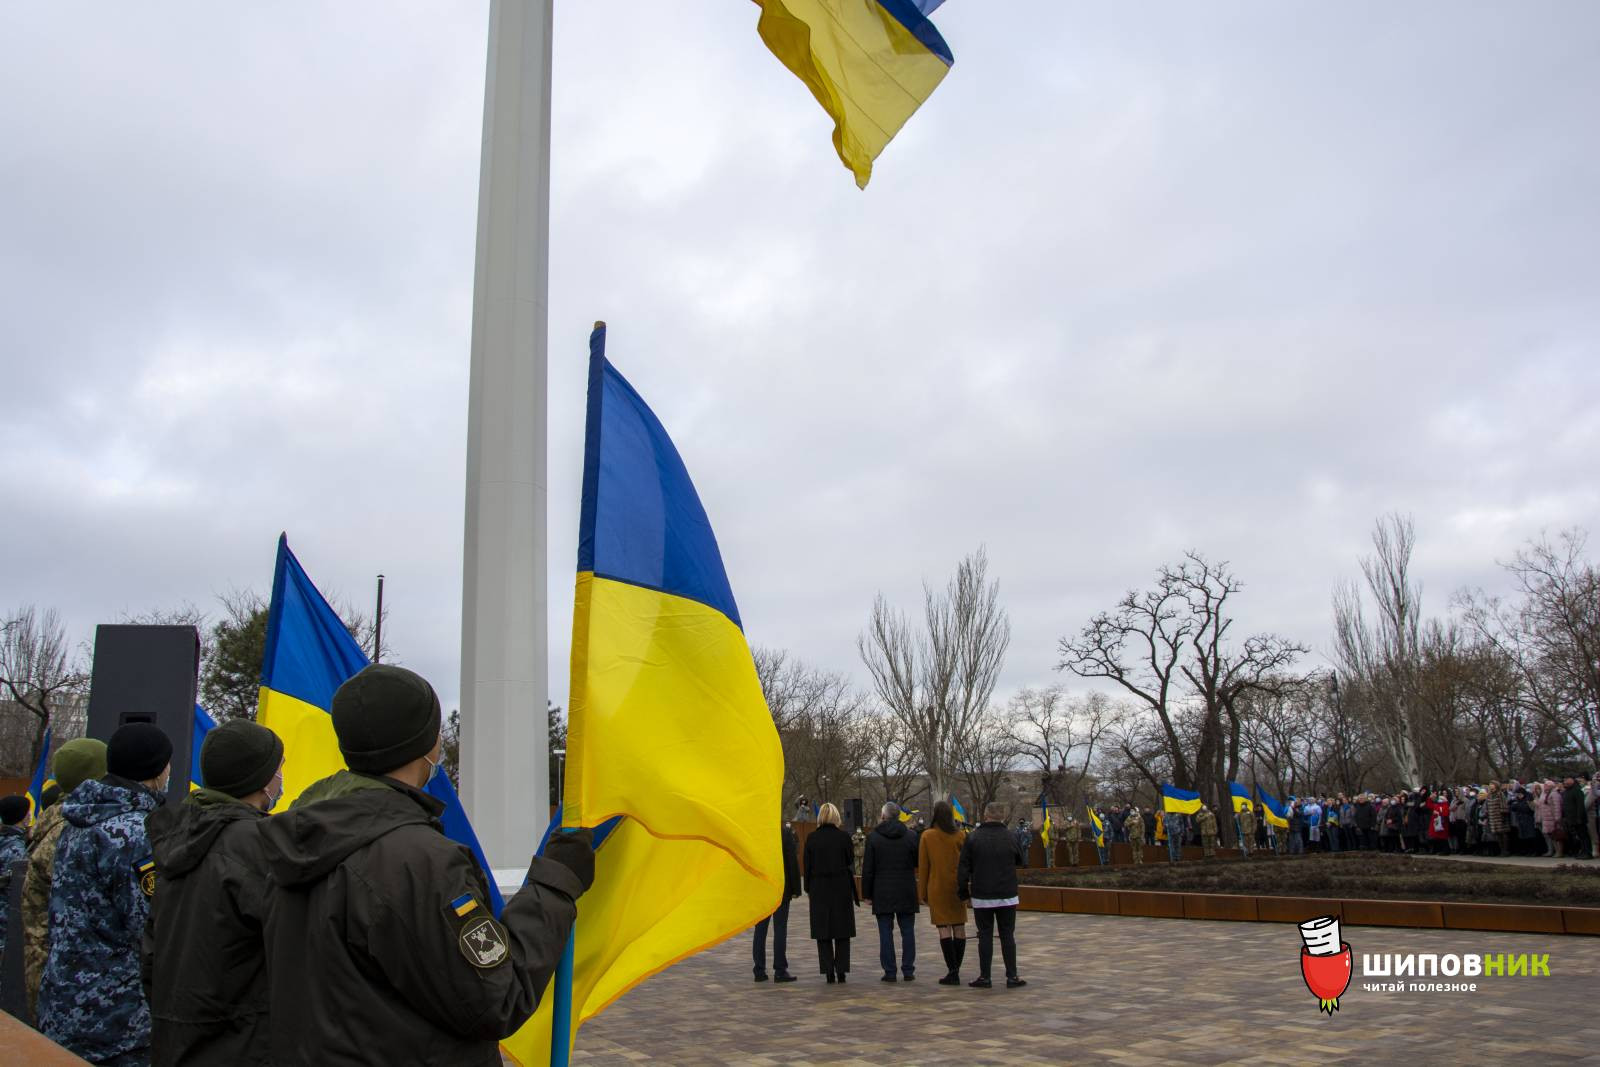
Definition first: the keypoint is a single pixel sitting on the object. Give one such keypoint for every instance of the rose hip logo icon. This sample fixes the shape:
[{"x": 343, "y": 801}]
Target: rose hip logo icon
[{"x": 1324, "y": 961}]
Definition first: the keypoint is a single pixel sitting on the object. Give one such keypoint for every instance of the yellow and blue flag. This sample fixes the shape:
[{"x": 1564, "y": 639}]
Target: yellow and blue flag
[
  {"x": 669, "y": 740},
  {"x": 869, "y": 63},
  {"x": 1241, "y": 796},
  {"x": 1044, "y": 837},
  {"x": 957, "y": 810},
  {"x": 309, "y": 655},
  {"x": 1182, "y": 801},
  {"x": 1273, "y": 810},
  {"x": 1099, "y": 827},
  {"x": 41, "y": 777}
]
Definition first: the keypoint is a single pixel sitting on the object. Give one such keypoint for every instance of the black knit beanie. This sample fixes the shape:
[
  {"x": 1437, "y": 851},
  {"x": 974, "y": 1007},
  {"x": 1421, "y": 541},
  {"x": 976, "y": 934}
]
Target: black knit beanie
[
  {"x": 385, "y": 717},
  {"x": 239, "y": 757},
  {"x": 13, "y": 809},
  {"x": 138, "y": 752}
]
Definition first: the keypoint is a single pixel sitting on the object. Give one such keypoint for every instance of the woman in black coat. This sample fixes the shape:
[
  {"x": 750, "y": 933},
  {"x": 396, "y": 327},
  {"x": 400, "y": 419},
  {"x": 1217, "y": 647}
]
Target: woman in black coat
[{"x": 830, "y": 886}]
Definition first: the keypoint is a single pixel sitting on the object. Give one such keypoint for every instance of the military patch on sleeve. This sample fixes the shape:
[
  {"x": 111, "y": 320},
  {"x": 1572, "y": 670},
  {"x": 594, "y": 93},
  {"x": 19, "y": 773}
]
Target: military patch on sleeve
[
  {"x": 483, "y": 942},
  {"x": 147, "y": 877}
]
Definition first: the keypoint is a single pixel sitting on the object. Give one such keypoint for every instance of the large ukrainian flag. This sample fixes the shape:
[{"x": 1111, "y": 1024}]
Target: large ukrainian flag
[
  {"x": 309, "y": 655},
  {"x": 1241, "y": 796},
  {"x": 668, "y": 733},
  {"x": 1182, "y": 801},
  {"x": 869, "y": 63}
]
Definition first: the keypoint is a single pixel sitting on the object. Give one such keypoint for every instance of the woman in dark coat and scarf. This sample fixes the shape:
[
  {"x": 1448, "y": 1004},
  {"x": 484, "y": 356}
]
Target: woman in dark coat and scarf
[{"x": 830, "y": 886}]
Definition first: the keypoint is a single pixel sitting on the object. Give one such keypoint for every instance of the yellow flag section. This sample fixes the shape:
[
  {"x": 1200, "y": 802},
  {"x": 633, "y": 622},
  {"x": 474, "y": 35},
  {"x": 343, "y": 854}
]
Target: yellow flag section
[
  {"x": 668, "y": 733},
  {"x": 869, "y": 63}
]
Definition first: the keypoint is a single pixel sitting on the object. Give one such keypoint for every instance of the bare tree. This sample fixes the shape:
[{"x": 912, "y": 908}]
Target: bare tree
[
  {"x": 1382, "y": 658},
  {"x": 890, "y": 762},
  {"x": 1548, "y": 638},
  {"x": 937, "y": 682},
  {"x": 1052, "y": 732},
  {"x": 1139, "y": 645},
  {"x": 984, "y": 756},
  {"x": 37, "y": 668}
]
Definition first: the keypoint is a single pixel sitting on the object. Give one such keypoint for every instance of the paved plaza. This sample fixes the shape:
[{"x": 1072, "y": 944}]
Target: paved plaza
[{"x": 1107, "y": 989}]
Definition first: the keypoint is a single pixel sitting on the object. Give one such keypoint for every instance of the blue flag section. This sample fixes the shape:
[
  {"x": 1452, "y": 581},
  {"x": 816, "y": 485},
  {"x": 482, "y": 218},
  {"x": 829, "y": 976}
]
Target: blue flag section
[
  {"x": 203, "y": 724},
  {"x": 1241, "y": 796},
  {"x": 41, "y": 774},
  {"x": 309, "y": 655}
]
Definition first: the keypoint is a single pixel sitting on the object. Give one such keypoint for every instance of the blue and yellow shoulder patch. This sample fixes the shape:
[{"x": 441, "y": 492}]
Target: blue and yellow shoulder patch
[
  {"x": 146, "y": 870},
  {"x": 464, "y": 905}
]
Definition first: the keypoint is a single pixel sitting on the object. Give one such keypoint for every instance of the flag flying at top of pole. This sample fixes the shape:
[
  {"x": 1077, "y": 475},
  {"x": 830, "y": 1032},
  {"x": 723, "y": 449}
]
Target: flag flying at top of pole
[
  {"x": 309, "y": 655},
  {"x": 869, "y": 63},
  {"x": 668, "y": 733},
  {"x": 1240, "y": 795}
]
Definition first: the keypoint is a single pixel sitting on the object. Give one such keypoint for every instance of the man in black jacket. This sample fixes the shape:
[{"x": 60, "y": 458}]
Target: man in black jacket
[
  {"x": 889, "y": 882},
  {"x": 779, "y": 920},
  {"x": 204, "y": 965},
  {"x": 381, "y": 944},
  {"x": 987, "y": 876}
]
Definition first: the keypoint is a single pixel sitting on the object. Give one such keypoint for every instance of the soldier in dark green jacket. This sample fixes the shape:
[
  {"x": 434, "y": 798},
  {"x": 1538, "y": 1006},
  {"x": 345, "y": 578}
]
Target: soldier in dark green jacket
[
  {"x": 204, "y": 964},
  {"x": 381, "y": 945}
]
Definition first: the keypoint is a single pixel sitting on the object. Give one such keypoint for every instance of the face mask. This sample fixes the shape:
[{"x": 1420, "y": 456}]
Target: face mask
[
  {"x": 433, "y": 768},
  {"x": 272, "y": 798}
]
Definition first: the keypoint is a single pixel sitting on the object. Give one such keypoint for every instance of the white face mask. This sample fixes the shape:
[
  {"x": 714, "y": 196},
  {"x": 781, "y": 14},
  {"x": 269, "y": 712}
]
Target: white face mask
[{"x": 433, "y": 768}]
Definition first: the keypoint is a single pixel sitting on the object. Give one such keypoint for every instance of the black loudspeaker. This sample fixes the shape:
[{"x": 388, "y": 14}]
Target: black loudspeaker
[
  {"x": 854, "y": 814},
  {"x": 147, "y": 674}
]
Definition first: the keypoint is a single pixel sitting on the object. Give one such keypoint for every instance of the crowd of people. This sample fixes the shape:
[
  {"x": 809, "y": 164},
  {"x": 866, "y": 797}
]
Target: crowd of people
[
  {"x": 903, "y": 868},
  {"x": 193, "y": 930},
  {"x": 1547, "y": 819}
]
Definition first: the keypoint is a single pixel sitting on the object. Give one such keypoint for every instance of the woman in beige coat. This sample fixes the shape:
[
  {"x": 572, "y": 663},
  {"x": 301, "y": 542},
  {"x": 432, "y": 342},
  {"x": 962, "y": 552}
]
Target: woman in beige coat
[{"x": 938, "y": 853}]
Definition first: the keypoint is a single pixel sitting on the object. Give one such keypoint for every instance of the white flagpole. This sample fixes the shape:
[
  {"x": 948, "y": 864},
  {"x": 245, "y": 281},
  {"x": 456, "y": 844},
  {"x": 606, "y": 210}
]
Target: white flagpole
[{"x": 504, "y": 678}]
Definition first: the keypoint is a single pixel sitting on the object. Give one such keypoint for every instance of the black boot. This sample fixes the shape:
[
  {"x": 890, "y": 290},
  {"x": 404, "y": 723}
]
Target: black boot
[
  {"x": 946, "y": 946},
  {"x": 958, "y": 950}
]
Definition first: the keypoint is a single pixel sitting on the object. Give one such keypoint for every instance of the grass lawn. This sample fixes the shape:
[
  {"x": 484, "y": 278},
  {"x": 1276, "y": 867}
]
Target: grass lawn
[{"x": 1359, "y": 875}]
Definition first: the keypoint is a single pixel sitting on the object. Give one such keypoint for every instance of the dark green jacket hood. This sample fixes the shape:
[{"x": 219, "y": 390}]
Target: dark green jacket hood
[
  {"x": 336, "y": 816},
  {"x": 181, "y": 835}
]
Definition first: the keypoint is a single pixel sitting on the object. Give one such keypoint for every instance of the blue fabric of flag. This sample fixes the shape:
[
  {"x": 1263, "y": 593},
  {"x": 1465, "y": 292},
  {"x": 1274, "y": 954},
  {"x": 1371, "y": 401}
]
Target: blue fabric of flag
[
  {"x": 203, "y": 724},
  {"x": 312, "y": 658},
  {"x": 642, "y": 520},
  {"x": 40, "y": 774}
]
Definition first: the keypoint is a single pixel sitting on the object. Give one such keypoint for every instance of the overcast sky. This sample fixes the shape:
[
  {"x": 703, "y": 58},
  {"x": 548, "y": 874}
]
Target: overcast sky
[{"x": 1232, "y": 277}]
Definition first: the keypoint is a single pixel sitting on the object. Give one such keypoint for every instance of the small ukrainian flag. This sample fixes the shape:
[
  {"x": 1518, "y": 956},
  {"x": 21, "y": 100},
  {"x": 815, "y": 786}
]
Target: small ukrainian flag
[{"x": 463, "y": 905}]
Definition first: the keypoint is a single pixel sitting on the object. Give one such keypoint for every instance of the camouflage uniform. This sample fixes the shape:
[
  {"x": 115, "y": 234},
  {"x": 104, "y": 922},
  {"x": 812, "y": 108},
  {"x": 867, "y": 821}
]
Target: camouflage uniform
[
  {"x": 91, "y": 999},
  {"x": 1208, "y": 832},
  {"x": 36, "y": 899},
  {"x": 1074, "y": 836},
  {"x": 1134, "y": 824},
  {"x": 1177, "y": 827},
  {"x": 13, "y": 847},
  {"x": 1247, "y": 829}
]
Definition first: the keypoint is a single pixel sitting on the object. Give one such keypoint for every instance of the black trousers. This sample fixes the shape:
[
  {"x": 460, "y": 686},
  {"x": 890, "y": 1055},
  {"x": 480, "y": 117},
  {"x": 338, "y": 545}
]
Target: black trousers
[
  {"x": 987, "y": 919},
  {"x": 833, "y": 957}
]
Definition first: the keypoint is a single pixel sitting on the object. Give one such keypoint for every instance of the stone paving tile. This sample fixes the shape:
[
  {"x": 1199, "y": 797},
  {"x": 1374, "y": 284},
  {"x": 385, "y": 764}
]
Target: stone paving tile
[{"x": 1106, "y": 989}]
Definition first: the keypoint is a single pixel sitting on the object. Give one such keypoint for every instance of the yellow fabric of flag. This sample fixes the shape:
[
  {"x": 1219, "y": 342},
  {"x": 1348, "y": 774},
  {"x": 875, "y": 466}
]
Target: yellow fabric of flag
[{"x": 869, "y": 63}]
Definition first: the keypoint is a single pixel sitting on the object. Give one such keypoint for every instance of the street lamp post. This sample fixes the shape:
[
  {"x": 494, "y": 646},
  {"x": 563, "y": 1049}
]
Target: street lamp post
[{"x": 561, "y": 765}]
